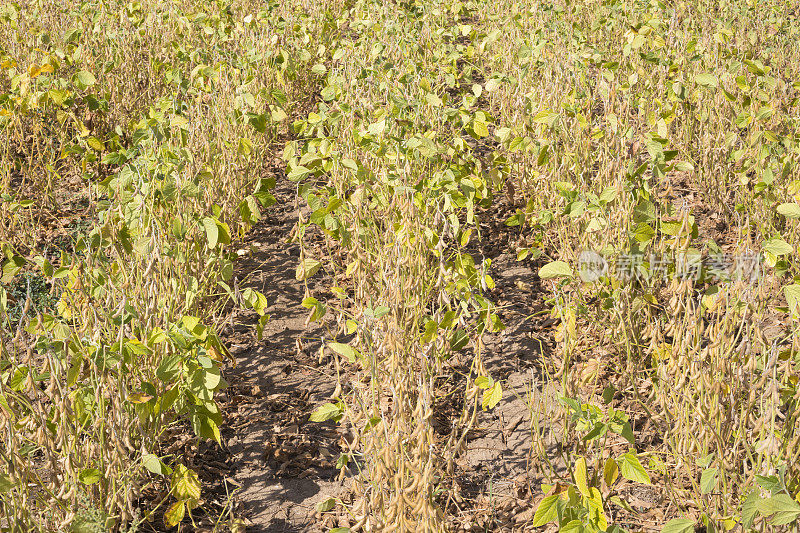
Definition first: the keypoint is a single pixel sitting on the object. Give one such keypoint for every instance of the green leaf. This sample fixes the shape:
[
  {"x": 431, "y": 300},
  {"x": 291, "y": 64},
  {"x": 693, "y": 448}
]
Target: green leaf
[
  {"x": 769, "y": 483},
  {"x": 204, "y": 425},
  {"x": 278, "y": 114},
  {"x": 297, "y": 173},
  {"x": 492, "y": 85},
  {"x": 5, "y": 484},
  {"x": 778, "y": 247},
  {"x": 792, "y": 294},
  {"x": 545, "y": 117},
  {"x": 609, "y": 194},
  {"x": 89, "y": 476},
  {"x": 555, "y": 269},
  {"x": 307, "y": 268},
  {"x": 95, "y": 143},
  {"x": 484, "y": 382},
  {"x": 671, "y": 228},
  {"x": 433, "y": 100},
  {"x": 547, "y": 511},
  {"x": 212, "y": 232},
  {"x": 459, "y": 339},
  {"x": 174, "y": 515},
  {"x": 190, "y": 322},
  {"x": 679, "y": 525},
  {"x": 10, "y": 268},
  {"x": 750, "y": 508},
  {"x": 377, "y": 128},
  {"x": 781, "y": 507},
  {"x": 596, "y": 512},
  {"x": 256, "y": 300},
  {"x": 790, "y": 210},
  {"x": 543, "y": 158},
  {"x": 616, "y": 500},
  {"x": 224, "y": 232},
  {"x": 154, "y": 464},
  {"x": 599, "y": 430},
  {"x": 346, "y": 351},
  {"x": 573, "y": 526},
  {"x": 340, "y": 530},
  {"x": 708, "y": 480},
  {"x": 318, "y": 310},
  {"x": 707, "y": 80},
  {"x": 169, "y": 368},
  {"x": 85, "y": 79},
  {"x": 328, "y": 411},
  {"x": 632, "y": 469},
  {"x": 326, "y": 505},
  {"x": 328, "y": 93}
]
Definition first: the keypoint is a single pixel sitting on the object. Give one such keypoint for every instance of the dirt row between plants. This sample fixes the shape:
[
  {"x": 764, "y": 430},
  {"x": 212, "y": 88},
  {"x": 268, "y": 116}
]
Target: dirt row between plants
[{"x": 284, "y": 465}]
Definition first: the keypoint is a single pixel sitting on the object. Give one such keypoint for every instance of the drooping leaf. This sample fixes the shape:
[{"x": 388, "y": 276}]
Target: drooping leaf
[
  {"x": 792, "y": 294},
  {"x": 492, "y": 396},
  {"x": 555, "y": 269},
  {"x": 326, "y": 505},
  {"x": 307, "y": 268},
  {"x": 316, "y": 307},
  {"x": 346, "y": 351},
  {"x": 610, "y": 472},
  {"x": 580, "y": 476},
  {"x": 325, "y": 412},
  {"x": 154, "y": 464},
  {"x": 212, "y": 232}
]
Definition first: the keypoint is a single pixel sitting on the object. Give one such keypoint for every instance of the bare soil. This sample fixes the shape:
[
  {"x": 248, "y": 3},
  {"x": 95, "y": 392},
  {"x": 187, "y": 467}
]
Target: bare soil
[{"x": 284, "y": 465}]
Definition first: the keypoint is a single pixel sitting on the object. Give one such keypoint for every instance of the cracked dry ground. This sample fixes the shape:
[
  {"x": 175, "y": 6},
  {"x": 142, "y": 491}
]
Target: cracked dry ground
[{"x": 282, "y": 465}]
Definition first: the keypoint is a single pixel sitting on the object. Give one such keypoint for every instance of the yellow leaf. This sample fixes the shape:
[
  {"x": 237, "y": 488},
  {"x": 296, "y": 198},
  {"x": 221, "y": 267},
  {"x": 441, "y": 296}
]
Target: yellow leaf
[
  {"x": 214, "y": 354},
  {"x": 492, "y": 395},
  {"x": 580, "y": 477},
  {"x": 139, "y": 397},
  {"x": 185, "y": 483},
  {"x": 307, "y": 268},
  {"x": 95, "y": 143},
  {"x": 610, "y": 472},
  {"x": 174, "y": 514}
]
